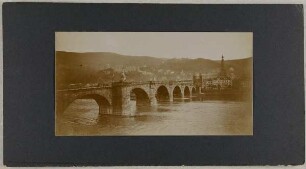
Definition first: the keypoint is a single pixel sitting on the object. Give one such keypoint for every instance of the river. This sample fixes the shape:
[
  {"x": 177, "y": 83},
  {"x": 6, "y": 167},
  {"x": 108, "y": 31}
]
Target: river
[{"x": 181, "y": 117}]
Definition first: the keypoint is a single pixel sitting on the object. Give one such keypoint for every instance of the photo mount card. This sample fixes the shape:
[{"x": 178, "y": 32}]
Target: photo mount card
[{"x": 153, "y": 84}]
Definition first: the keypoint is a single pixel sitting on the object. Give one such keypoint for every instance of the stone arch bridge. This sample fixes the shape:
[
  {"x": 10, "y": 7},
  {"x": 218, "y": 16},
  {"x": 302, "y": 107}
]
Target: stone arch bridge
[{"x": 116, "y": 98}]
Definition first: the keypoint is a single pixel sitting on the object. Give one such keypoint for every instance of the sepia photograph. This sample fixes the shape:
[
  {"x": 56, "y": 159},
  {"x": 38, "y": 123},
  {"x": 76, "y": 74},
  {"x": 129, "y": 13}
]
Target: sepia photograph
[{"x": 153, "y": 83}]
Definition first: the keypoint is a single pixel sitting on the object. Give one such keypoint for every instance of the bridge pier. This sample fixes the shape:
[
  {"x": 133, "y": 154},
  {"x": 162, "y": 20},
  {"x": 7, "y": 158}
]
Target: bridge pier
[
  {"x": 171, "y": 97},
  {"x": 190, "y": 92},
  {"x": 152, "y": 96},
  {"x": 121, "y": 99},
  {"x": 153, "y": 100},
  {"x": 62, "y": 103},
  {"x": 121, "y": 103},
  {"x": 60, "y": 107},
  {"x": 183, "y": 95}
]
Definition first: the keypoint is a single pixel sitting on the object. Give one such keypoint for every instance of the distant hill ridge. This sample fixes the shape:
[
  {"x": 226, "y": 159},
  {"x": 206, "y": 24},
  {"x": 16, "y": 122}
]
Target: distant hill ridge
[
  {"x": 104, "y": 57},
  {"x": 114, "y": 58},
  {"x": 75, "y": 67}
]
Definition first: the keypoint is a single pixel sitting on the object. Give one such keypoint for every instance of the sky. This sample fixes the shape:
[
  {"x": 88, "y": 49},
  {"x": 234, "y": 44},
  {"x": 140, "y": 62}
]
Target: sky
[{"x": 208, "y": 45}]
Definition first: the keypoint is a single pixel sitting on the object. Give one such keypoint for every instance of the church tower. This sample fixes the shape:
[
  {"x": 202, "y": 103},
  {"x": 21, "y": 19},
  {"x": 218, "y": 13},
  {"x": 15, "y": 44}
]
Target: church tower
[{"x": 222, "y": 69}]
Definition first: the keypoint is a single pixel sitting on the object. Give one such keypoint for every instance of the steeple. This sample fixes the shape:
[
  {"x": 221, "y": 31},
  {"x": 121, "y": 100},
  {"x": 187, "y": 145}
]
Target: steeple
[
  {"x": 222, "y": 62},
  {"x": 222, "y": 70}
]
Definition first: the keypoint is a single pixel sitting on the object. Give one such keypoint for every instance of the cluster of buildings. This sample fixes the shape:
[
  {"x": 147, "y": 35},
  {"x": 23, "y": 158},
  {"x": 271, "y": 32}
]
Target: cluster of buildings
[
  {"x": 221, "y": 80},
  {"x": 150, "y": 73},
  {"x": 210, "y": 81}
]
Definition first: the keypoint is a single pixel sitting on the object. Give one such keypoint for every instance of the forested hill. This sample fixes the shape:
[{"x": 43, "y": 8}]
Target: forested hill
[{"x": 91, "y": 67}]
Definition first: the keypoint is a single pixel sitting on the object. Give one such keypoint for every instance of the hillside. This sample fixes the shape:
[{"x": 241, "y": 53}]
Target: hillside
[
  {"x": 98, "y": 59},
  {"x": 105, "y": 67}
]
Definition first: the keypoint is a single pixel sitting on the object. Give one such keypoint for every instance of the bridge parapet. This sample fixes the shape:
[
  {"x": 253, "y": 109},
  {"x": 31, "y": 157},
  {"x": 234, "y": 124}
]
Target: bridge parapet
[
  {"x": 181, "y": 82},
  {"x": 84, "y": 88},
  {"x": 185, "y": 82}
]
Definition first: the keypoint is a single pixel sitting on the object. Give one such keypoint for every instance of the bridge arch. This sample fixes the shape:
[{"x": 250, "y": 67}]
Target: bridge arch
[
  {"x": 102, "y": 102},
  {"x": 162, "y": 94},
  {"x": 187, "y": 92},
  {"x": 177, "y": 92},
  {"x": 140, "y": 96}
]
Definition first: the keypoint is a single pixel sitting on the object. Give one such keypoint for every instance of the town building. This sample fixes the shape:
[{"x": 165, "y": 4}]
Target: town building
[{"x": 213, "y": 81}]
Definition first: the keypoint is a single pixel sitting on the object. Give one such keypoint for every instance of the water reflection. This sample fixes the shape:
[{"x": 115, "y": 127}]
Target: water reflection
[{"x": 181, "y": 117}]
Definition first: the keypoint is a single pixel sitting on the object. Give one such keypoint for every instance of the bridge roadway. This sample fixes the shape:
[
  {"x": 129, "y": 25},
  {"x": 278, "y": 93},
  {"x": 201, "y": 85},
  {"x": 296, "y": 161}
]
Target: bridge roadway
[{"x": 116, "y": 98}]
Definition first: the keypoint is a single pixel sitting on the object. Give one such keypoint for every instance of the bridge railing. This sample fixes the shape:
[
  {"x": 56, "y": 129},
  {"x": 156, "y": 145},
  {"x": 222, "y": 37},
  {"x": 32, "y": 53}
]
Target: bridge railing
[
  {"x": 162, "y": 82},
  {"x": 185, "y": 82},
  {"x": 140, "y": 83},
  {"x": 100, "y": 85}
]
